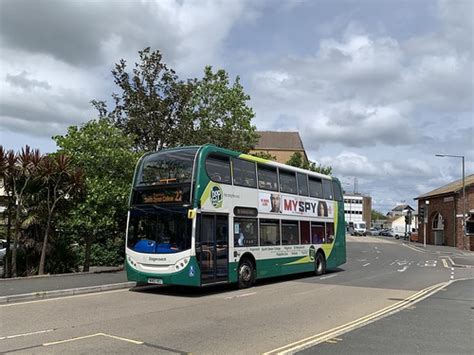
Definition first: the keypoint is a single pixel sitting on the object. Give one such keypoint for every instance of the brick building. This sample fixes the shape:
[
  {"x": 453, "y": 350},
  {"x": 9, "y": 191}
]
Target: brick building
[
  {"x": 282, "y": 145},
  {"x": 445, "y": 215}
]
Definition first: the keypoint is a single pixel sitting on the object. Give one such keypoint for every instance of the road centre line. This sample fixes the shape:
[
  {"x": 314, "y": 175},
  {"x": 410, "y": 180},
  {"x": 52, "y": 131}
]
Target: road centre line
[
  {"x": 328, "y": 277},
  {"x": 27, "y": 334},
  {"x": 332, "y": 333},
  {"x": 61, "y": 298},
  {"x": 365, "y": 265}
]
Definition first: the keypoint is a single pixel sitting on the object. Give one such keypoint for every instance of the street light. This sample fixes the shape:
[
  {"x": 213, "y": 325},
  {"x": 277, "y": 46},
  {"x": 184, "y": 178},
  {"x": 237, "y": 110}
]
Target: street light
[{"x": 463, "y": 191}]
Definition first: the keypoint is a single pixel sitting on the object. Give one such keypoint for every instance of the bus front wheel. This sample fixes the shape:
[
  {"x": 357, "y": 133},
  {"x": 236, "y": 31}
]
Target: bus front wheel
[
  {"x": 246, "y": 274},
  {"x": 320, "y": 264}
]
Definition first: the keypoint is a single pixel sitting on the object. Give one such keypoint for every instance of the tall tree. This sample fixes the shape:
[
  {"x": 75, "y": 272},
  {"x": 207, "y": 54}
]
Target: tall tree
[
  {"x": 59, "y": 180},
  {"x": 298, "y": 161},
  {"x": 151, "y": 103},
  {"x": 220, "y": 112},
  {"x": 160, "y": 111},
  {"x": 105, "y": 154},
  {"x": 19, "y": 170}
]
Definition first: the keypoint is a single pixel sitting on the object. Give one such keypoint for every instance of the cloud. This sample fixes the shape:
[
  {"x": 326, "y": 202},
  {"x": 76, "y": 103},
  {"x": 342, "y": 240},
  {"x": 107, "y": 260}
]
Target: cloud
[
  {"x": 21, "y": 80},
  {"x": 57, "y": 55}
]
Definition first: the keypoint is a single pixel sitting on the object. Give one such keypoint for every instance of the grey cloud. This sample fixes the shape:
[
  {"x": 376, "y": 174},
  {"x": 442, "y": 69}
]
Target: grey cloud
[
  {"x": 21, "y": 80},
  {"x": 76, "y": 33}
]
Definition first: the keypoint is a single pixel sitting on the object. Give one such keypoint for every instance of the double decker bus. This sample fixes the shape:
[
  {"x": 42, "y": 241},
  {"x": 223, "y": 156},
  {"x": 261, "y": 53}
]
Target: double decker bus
[{"x": 204, "y": 215}]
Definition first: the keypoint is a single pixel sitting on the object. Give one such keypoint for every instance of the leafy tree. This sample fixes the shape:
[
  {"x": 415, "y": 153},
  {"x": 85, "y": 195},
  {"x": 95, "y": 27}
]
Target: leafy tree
[
  {"x": 377, "y": 215},
  {"x": 298, "y": 161},
  {"x": 18, "y": 172},
  {"x": 105, "y": 155},
  {"x": 151, "y": 104},
  {"x": 220, "y": 113},
  {"x": 160, "y": 111},
  {"x": 59, "y": 180}
]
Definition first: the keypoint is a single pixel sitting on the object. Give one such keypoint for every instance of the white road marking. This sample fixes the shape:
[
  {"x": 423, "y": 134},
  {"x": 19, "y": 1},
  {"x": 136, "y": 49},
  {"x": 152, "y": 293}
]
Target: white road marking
[
  {"x": 92, "y": 336},
  {"x": 403, "y": 269},
  {"x": 366, "y": 264},
  {"x": 26, "y": 334},
  {"x": 240, "y": 296},
  {"x": 392, "y": 263},
  {"x": 445, "y": 263},
  {"x": 327, "y": 277}
]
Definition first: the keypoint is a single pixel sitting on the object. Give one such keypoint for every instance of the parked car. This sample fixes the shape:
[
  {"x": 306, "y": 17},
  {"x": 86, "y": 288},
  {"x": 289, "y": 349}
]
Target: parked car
[
  {"x": 390, "y": 233},
  {"x": 373, "y": 231}
]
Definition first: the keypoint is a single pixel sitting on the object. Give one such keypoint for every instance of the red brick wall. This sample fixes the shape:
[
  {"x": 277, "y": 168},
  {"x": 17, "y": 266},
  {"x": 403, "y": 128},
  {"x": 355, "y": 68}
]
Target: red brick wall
[{"x": 449, "y": 206}]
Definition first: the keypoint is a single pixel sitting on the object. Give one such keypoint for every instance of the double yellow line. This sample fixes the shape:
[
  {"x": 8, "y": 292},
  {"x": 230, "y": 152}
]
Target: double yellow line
[{"x": 334, "y": 332}]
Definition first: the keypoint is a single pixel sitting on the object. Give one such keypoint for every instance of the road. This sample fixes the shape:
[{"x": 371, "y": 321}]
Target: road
[{"x": 380, "y": 277}]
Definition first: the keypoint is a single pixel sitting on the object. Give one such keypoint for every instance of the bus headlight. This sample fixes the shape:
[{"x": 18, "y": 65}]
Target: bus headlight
[{"x": 181, "y": 264}]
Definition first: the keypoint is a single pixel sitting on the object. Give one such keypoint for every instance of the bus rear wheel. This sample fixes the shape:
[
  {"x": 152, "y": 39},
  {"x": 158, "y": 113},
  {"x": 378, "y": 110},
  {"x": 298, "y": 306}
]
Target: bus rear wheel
[
  {"x": 320, "y": 264},
  {"x": 246, "y": 274}
]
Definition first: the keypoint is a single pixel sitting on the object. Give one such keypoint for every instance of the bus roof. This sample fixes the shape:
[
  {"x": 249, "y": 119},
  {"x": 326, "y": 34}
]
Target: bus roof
[{"x": 212, "y": 147}]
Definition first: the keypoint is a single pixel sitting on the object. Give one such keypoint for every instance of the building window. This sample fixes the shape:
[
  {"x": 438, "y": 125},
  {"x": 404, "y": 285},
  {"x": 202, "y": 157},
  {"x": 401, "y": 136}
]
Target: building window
[
  {"x": 438, "y": 222},
  {"x": 470, "y": 225}
]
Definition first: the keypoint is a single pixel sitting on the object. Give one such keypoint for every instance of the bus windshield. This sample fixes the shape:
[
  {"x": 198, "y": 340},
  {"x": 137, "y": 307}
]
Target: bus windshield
[
  {"x": 167, "y": 167},
  {"x": 159, "y": 230}
]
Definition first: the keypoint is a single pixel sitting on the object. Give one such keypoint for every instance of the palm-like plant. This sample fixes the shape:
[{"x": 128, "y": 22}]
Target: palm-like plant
[
  {"x": 59, "y": 180},
  {"x": 20, "y": 170}
]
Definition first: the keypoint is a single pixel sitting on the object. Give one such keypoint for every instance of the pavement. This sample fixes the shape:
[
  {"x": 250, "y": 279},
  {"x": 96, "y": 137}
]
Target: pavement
[
  {"x": 49, "y": 286},
  {"x": 440, "y": 324}
]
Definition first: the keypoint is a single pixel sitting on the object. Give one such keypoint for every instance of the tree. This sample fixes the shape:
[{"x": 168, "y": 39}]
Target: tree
[
  {"x": 59, "y": 180},
  {"x": 107, "y": 158},
  {"x": 298, "y": 161},
  {"x": 158, "y": 110},
  {"x": 220, "y": 113},
  {"x": 151, "y": 104},
  {"x": 18, "y": 171},
  {"x": 377, "y": 215}
]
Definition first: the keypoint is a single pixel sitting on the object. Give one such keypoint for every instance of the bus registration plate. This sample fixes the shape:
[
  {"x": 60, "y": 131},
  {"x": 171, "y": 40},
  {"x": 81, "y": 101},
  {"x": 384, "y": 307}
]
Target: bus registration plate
[{"x": 155, "y": 281}]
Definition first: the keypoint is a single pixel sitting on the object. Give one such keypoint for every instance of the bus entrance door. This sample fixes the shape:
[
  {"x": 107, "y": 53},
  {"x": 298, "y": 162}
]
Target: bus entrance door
[{"x": 212, "y": 248}]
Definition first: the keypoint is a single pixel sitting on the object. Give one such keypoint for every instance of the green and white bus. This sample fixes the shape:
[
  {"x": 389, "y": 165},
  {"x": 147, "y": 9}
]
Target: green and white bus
[{"x": 204, "y": 215}]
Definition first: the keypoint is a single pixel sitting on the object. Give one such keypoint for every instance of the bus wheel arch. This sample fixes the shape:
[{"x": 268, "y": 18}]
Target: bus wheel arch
[
  {"x": 246, "y": 271},
  {"x": 320, "y": 263}
]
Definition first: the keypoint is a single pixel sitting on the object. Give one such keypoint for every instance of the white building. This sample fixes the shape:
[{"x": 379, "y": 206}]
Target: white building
[{"x": 353, "y": 208}]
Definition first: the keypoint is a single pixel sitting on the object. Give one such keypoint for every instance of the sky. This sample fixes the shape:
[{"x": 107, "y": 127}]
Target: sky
[{"x": 375, "y": 88}]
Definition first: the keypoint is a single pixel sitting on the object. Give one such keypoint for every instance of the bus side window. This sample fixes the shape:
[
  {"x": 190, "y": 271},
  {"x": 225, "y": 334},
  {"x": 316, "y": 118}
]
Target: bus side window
[
  {"x": 327, "y": 189},
  {"x": 315, "y": 187},
  {"x": 244, "y": 173},
  {"x": 218, "y": 168},
  {"x": 287, "y": 182},
  {"x": 329, "y": 233},
  {"x": 305, "y": 232},
  {"x": 302, "y": 184},
  {"x": 267, "y": 178},
  {"x": 337, "y": 190}
]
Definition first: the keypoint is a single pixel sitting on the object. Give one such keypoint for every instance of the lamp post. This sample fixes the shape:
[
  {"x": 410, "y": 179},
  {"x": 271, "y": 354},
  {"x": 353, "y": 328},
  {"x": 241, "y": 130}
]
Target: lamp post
[{"x": 463, "y": 191}]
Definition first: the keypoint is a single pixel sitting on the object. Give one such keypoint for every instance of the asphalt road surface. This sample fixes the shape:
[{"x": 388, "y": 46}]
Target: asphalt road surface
[{"x": 379, "y": 275}]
